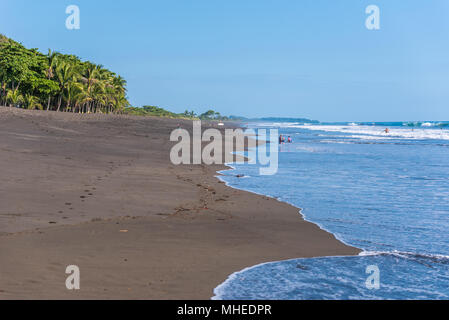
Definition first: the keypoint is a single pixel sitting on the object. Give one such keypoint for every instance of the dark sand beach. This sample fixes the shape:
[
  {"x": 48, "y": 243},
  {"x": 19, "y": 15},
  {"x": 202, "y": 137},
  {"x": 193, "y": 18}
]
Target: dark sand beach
[{"x": 99, "y": 192}]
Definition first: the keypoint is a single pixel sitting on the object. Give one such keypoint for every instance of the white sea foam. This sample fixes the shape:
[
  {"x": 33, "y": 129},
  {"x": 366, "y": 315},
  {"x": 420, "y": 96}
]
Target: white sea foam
[
  {"x": 376, "y": 132},
  {"x": 404, "y": 254}
]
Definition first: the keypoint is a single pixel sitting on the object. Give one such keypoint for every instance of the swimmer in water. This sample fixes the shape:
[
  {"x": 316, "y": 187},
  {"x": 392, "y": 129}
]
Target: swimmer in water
[{"x": 281, "y": 139}]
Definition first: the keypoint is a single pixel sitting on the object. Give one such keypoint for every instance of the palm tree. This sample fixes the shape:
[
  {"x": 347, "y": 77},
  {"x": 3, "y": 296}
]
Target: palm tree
[
  {"x": 51, "y": 60},
  {"x": 90, "y": 78},
  {"x": 74, "y": 93},
  {"x": 99, "y": 96},
  {"x": 32, "y": 102},
  {"x": 65, "y": 74},
  {"x": 119, "y": 84},
  {"x": 119, "y": 103},
  {"x": 14, "y": 97}
]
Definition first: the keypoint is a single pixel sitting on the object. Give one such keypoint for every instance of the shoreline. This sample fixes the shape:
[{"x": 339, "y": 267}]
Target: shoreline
[
  {"x": 300, "y": 211},
  {"x": 184, "y": 231},
  {"x": 216, "y": 296}
]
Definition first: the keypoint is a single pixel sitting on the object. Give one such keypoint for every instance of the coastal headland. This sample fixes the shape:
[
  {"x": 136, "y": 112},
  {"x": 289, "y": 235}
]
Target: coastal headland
[{"x": 100, "y": 192}]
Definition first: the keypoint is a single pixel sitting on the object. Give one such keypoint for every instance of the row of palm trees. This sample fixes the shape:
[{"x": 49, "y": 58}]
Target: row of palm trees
[
  {"x": 86, "y": 87},
  {"x": 58, "y": 82}
]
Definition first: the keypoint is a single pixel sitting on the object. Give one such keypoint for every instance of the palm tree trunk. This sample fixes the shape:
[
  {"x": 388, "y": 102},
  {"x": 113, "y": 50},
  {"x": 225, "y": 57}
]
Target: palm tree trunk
[
  {"x": 2, "y": 98},
  {"x": 59, "y": 103}
]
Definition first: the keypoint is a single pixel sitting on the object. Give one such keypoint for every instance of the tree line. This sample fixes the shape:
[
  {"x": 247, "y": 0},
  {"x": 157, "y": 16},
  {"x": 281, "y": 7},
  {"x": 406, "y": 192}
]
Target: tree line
[
  {"x": 56, "y": 81},
  {"x": 212, "y": 115},
  {"x": 161, "y": 112}
]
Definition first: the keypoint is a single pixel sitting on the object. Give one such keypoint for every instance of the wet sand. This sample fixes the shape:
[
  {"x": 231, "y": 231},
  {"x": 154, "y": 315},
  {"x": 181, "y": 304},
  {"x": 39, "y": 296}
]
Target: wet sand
[{"x": 99, "y": 192}]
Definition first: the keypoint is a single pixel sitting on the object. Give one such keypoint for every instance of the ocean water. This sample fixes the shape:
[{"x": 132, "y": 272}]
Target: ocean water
[{"x": 387, "y": 194}]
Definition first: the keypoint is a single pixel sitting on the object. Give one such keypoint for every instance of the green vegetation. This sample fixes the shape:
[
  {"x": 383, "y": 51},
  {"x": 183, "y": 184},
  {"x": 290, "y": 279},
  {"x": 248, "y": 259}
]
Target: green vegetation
[
  {"x": 55, "y": 81},
  {"x": 160, "y": 112},
  {"x": 155, "y": 112},
  {"x": 212, "y": 115},
  {"x": 3, "y": 39}
]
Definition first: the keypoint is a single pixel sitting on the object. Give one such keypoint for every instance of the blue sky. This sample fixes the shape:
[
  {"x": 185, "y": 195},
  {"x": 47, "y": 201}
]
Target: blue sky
[{"x": 296, "y": 58}]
